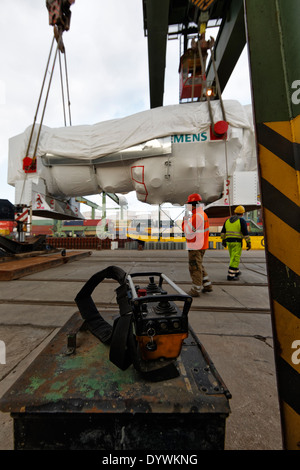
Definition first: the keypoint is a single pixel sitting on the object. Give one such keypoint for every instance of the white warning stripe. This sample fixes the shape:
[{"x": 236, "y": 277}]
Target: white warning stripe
[{"x": 23, "y": 217}]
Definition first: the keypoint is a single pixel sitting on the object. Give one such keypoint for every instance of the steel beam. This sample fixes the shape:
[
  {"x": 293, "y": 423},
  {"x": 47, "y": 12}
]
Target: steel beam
[
  {"x": 229, "y": 43},
  {"x": 157, "y": 26},
  {"x": 273, "y": 38}
]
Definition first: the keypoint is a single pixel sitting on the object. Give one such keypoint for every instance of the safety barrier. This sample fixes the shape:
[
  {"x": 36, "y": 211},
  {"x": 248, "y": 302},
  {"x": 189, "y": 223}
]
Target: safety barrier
[
  {"x": 257, "y": 243},
  {"x": 83, "y": 243},
  {"x": 79, "y": 243},
  {"x": 94, "y": 243}
]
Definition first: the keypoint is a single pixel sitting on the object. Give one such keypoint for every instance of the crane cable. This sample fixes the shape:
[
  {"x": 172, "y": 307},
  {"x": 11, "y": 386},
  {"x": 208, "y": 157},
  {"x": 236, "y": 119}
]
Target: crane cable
[
  {"x": 40, "y": 97},
  {"x": 210, "y": 108},
  {"x": 212, "y": 51},
  {"x": 45, "y": 104},
  {"x": 62, "y": 89},
  {"x": 46, "y": 98},
  {"x": 32, "y": 164},
  {"x": 68, "y": 91}
]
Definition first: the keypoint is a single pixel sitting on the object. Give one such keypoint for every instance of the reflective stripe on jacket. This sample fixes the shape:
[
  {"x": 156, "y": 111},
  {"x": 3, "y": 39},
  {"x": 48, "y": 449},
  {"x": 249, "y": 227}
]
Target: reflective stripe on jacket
[
  {"x": 233, "y": 229},
  {"x": 196, "y": 230}
]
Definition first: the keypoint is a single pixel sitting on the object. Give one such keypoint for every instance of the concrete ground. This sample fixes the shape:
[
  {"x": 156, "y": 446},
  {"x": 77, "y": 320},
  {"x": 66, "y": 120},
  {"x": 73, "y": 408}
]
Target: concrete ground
[{"x": 233, "y": 323}]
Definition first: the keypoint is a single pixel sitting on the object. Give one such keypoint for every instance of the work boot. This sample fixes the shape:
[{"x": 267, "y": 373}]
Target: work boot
[
  {"x": 194, "y": 292},
  {"x": 232, "y": 278},
  {"x": 207, "y": 289}
]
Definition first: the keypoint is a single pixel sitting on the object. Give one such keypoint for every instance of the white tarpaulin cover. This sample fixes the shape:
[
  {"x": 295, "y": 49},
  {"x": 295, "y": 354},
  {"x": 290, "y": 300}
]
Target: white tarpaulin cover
[
  {"x": 93, "y": 141},
  {"x": 78, "y": 166}
]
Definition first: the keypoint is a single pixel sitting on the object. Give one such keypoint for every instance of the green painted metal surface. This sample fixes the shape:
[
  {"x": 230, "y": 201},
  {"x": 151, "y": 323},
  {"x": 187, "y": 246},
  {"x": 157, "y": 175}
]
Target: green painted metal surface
[
  {"x": 85, "y": 380},
  {"x": 73, "y": 397},
  {"x": 273, "y": 42}
]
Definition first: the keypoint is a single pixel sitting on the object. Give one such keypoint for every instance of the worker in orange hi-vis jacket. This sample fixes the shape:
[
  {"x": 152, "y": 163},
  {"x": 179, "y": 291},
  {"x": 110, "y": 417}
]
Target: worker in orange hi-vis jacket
[{"x": 196, "y": 230}]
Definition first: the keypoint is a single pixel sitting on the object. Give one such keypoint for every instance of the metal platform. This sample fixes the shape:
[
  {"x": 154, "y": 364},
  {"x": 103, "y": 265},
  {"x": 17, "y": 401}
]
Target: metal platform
[
  {"x": 75, "y": 398},
  {"x": 17, "y": 267}
]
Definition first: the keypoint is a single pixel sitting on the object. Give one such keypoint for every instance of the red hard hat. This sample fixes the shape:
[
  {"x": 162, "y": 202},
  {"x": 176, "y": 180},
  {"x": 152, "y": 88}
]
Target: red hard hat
[{"x": 195, "y": 197}]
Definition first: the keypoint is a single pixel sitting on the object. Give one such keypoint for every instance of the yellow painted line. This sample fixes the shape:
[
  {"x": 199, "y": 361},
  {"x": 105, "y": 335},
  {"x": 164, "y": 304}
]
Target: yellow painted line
[
  {"x": 288, "y": 330},
  {"x": 283, "y": 241},
  {"x": 281, "y": 175}
]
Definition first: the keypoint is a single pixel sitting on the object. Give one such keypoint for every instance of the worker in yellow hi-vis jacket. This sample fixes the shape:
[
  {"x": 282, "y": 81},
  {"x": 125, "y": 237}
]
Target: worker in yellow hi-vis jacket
[{"x": 233, "y": 232}]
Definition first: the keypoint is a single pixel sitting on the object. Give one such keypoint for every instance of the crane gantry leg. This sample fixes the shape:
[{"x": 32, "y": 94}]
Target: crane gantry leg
[{"x": 273, "y": 44}]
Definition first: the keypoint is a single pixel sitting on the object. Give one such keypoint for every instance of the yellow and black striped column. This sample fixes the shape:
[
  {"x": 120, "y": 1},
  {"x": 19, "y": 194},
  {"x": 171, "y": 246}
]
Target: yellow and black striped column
[{"x": 273, "y": 43}]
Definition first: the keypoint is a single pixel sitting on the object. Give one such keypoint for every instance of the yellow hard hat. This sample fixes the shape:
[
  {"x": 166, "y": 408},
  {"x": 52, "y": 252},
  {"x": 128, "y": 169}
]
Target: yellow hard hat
[{"x": 239, "y": 210}]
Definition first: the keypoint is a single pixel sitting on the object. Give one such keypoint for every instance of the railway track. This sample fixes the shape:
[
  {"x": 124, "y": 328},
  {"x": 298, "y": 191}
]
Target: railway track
[
  {"x": 111, "y": 307},
  {"x": 108, "y": 307},
  {"x": 58, "y": 286},
  {"x": 179, "y": 283}
]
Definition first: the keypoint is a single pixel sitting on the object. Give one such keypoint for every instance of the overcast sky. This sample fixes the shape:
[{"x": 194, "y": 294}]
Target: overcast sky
[{"x": 107, "y": 61}]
